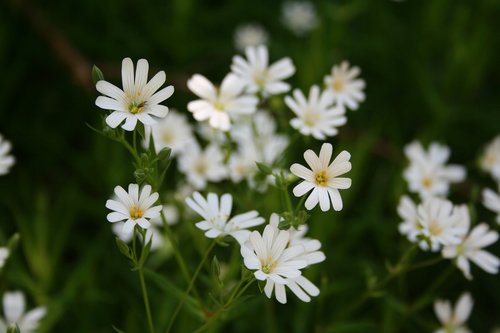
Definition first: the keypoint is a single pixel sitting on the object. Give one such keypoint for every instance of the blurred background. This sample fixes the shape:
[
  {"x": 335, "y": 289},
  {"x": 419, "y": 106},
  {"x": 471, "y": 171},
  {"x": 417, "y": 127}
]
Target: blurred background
[{"x": 432, "y": 73}]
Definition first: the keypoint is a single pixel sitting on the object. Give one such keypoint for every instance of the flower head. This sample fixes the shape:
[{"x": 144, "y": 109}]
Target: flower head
[
  {"x": 6, "y": 160},
  {"x": 490, "y": 160},
  {"x": 249, "y": 34},
  {"x": 4, "y": 255},
  {"x": 323, "y": 178},
  {"x": 491, "y": 200},
  {"x": 258, "y": 76},
  {"x": 14, "y": 306},
  {"x": 217, "y": 220},
  {"x": 316, "y": 116},
  {"x": 410, "y": 226},
  {"x": 347, "y": 89},
  {"x": 299, "y": 16},
  {"x": 139, "y": 99},
  {"x": 453, "y": 320},
  {"x": 218, "y": 105},
  {"x": 132, "y": 207}
]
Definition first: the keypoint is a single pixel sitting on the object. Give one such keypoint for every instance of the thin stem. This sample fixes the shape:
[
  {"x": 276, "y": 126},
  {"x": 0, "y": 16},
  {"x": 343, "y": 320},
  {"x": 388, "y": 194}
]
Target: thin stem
[
  {"x": 146, "y": 301},
  {"x": 132, "y": 150},
  {"x": 301, "y": 203}
]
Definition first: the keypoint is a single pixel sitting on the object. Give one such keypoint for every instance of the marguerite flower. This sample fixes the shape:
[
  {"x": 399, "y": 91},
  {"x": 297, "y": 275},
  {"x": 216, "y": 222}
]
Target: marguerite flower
[
  {"x": 427, "y": 173},
  {"x": 133, "y": 208},
  {"x": 219, "y": 105},
  {"x": 453, "y": 320},
  {"x": 249, "y": 34},
  {"x": 216, "y": 217},
  {"x": 258, "y": 76},
  {"x": 139, "y": 99},
  {"x": 6, "y": 160},
  {"x": 346, "y": 87},
  {"x": 299, "y": 16},
  {"x": 323, "y": 178},
  {"x": 14, "y": 307},
  {"x": 201, "y": 166},
  {"x": 173, "y": 131},
  {"x": 490, "y": 161},
  {"x": 491, "y": 200},
  {"x": 316, "y": 116},
  {"x": 4, "y": 255}
]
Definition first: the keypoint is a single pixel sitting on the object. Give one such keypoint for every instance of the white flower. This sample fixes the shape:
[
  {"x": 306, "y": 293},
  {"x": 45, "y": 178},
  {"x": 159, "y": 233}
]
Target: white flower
[
  {"x": 14, "y": 306},
  {"x": 6, "y": 160},
  {"x": 218, "y": 105},
  {"x": 133, "y": 208},
  {"x": 323, "y": 178},
  {"x": 216, "y": 217},
  {"x": 440, "y": 223},
  {"x": 316, "y": 116},
  {"x": 173, "y": 131},
  {"x": 139, "y": 99},
  {"x": 491, "y": 200},
  {"x": 201, "y": 166},
  {"x": 427, "y": 173},
  {"x": 410, "y": 226},
  {"x": 272, "y": 258},
  {"x": 453, "y": 320},
  {"x": 4, "y": 255},
  {"x": 346, "y": 87},
  {"x": 249, "y": 34},
  {"x": 490, "y": 160},
  {"x": 471, "y": 249},
  {"x": 299, "y": 16},
  {"x": 258, "y": 76}
]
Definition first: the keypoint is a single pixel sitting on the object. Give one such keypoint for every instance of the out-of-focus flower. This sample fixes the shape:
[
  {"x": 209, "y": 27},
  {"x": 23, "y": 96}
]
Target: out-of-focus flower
[
  {"x": 249, "y": 34},
  {"x": 316, "y": 116},
  {"x": 407, "y": 210},
  {"x": 427, "y": 173},
  {"x": 490, "y": 160},
  {"x": 139, "y": 99},
  {"x": 258, "y": 76},
  {"x": 323, "y": 178},
  {"x": 491, "y": 200},
  {"x": 14, "y": 307},
  {"x": 299, "y": 16},
  {"x": 4, "y": 255},
  {"x": 345, "y": 85},
  {"x": 133, "y": 208},
  {"x": 6, "y": 160},
  {"x": 453, "y": 320}
]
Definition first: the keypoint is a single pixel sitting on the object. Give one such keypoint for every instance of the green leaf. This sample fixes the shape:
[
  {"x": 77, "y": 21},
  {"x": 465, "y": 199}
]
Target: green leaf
[
  {"x": 124, "y": 248},
  {"x": 13, "y": 242},
  {"x": 13, "y": 328},
  {"x": 117, "y": 330},
  {"x": 264, "y": 168},
  {"x": 96, "y": 74},
  {"x": 215, "y": 268},
  {"x": 164, "y": 155}
]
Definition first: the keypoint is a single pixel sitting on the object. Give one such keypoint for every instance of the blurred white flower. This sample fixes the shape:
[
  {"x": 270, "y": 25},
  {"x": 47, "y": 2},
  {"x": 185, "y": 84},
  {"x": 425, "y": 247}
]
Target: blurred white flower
[
  {"x": 133, "y": 208},
  {"x": 490, "y": 160},
  {"x": 316, "y": 116},
  {"x": 258, "y": 76},
  {"x": 453, "y": 320},
  {"x": 14, "y": 307},
  {"x": 4, "y": 255},
  {"x": 345, "y": 85},
  {"x": 427, "y": 173},
  {"x": 407, "y": 210},
  {"x": 6, "y": 160},
  {"x": 217, "y": 220},
  {"x": 218, "y": 105},
  {"x": 139, "y": 99},
  {"x": 299, "y": 16},
  {"x": 249, "y": 34},
  {"x": 201, "y": 166},
  {"x": 322, "y": 178},
  {"x": 173, "y": 131},
  {"x": 491, "y": 200}
]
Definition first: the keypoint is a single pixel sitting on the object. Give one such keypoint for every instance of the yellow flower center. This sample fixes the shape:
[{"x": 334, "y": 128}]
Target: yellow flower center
[
  {"x": 311, "y": 118},
  {"x": 435, "y": 229},
  {"x": 321, "y": 178},
  {"x": 167, "y": 137},
  {"x": 427, "y": 182},
  {"x": 200, "y": 167},
  {"x": 268, "y": 265},
  {"x": 219, "y": 106},
  {"x": 135, "y": 107},
  {"x": 136, "y": 213},
  {"x": 338, "y": 85}
]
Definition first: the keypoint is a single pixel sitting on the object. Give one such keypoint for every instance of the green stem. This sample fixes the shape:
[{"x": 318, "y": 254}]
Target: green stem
[
  {"x": 301, "y": 203},
  {"x": 132, "y": 150},
  {"x": 146, "y": 301}
]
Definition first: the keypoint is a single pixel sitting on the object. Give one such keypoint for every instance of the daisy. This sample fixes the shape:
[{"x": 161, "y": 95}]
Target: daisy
[
  {"x": 139, "y": 99},
  {"x": 249, "y": 34},
  {"x": 346, "y": 87},
  {"x": 6, "y": 160},
  {"x": 491, "y": 200},
  {"x": 440, "y": 223},
  {"x": 323, "y": 178},
  {"x": 258, "y": 76},
  {"x": 427, "y": 173},
  {"x": 410, "y": 226},
  {"x": 218, "y": 105},
  {"x": 216, "y": 217},
  {"x": 490, "y": 161},
  {"x": 201, "y": 166},
  {"x": 173, "y": 131},
  {"x": 316, "y": 116},
  {"x": 453, "y": 320},
  {"x": 132, "y": 207},
  {"x": 471, "y": 249},
  {"x": 14, "y": 306},
  {"x": 299, "y": 16},
  {"x": 4, "y": 255}
]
